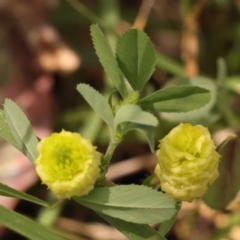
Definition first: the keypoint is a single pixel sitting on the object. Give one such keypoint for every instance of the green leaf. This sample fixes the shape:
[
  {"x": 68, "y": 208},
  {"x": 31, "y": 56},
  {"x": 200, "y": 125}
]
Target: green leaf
[
  {"x": 5, "y": 131},
  {"x": 133, "y": 113},
  {"x": 107, "y": 59},
  {"x": 21, "y": 130},
  {"x": 131, "y": 203},
  {"x": 25, "y": 226},
  {"x": 10, "y": 192},
  {"x": 225, "y": 188},
  {"x": 177, "y": 99},
  {"x": 204, "y": 115},
  {"x": 145, "y": 129},
  {"x": 133, "y": 231},
  {"x": 136, "y": 57},
  {"x": 97, "y": 102},
  {"x": 167, "y": 225}
]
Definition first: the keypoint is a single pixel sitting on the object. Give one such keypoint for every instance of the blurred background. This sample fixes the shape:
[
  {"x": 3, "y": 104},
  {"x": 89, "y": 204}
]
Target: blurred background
[{"x": 46, "y": 50}]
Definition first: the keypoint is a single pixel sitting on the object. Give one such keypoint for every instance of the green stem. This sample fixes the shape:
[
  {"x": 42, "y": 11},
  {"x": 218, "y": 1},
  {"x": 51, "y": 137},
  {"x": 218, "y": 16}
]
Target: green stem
[
  {"x": 103, "y": 182},
  {"x": 106, "y": 183},
  {"x": 223, "y": 102},
  {"x": 47, "y": 216},
  {"x": 107, "y": 157},
  {"x": 84, "y": 11}
]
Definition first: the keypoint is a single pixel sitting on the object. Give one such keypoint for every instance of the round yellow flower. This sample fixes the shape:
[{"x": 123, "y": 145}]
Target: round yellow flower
[
  {"x": 68, "y": 164},
  {"x": 187, "y": 162}
]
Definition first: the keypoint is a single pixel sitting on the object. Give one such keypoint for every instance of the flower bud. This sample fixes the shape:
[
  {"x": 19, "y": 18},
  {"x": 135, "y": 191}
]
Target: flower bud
[
  {"x": 131, "y": 99},
  {"x": 68, "y": 164},
  {"x": 187, "y": 162}
]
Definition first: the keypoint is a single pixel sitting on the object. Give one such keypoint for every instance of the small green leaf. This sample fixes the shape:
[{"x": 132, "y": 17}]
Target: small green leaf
[
  {"x": 97, "y": 102},
  {"x": 225, "y": 188},
  {"x": 145, "y": 129},
  {"x": 204, "y": 115},
  {"x": 133, "y": 231},
  {"x": 177, "y": 99},
  {"x": 107, "y": 59},
  {"x": 21, "y": 130},
  {"x": 131, "y": 203},
  {"x": 136, "y": 57},
  {"x": 10, "y": 192},
  {"x": 133, "y": 113},
  {"x": 167, "y": 225},
  {"x": 25, "y": 226},
  {"x": 5, "y": 131}
]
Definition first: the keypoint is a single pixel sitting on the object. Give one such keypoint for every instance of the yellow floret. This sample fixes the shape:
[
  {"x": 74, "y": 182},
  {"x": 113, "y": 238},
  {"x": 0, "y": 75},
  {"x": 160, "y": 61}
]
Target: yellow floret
[
  {"x": 68, "y": 164},
  {"x": 187, "y": 162}
]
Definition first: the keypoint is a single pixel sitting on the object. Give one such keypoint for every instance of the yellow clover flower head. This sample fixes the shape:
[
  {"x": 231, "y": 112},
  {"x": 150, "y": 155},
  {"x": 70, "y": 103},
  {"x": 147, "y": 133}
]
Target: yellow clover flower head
[
  {"x": 68, "y": 164},
  {"x": 187, "y": 162}
]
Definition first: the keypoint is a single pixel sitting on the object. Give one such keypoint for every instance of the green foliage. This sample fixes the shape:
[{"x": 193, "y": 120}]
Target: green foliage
[
  {"x": 177, "y": 99},
  {"x": 107, "y": 59},
  {"x": 131, "y": 203},
  {"x": 167, "y": 225},
  {"x": 223, "y": 99},
  {"x": 25, "y": 226},
  {"x": 132, "y": 230},
  {"x": 5, "y": 131},
  {"x": 136, "y": 58},
  {"x": 145, "y": 129},
  {"x": 133, "y": 113},
  {"x": 225, "y": 188},
  {"x": 203, "y": 115},
  {"x": 10, "y": 192},
  {"x": 21, "y": 130},
  {"x": 97, "y": 102},
  {"x": 130, "y": 208}
]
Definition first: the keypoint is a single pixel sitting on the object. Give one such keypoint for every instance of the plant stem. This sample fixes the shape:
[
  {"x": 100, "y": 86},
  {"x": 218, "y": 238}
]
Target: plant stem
[
  {"x": 84, "y": 11},
  {"x": 223, "y": 95},
  {"x": 47, "y": 216},
  {"x": 103, "y": 182},
  {"x": 110, "y": 150},
  {"x": 107, "y": 157},
  {"x": 106, "y": 183}
]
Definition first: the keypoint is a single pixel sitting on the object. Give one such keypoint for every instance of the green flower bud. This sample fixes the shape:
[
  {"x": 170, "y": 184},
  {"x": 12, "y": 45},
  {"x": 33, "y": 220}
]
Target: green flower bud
[
  {"x": 68, "y": 164},
  {"x": 187, "y": 162},
  {"x": 131, "y": 99}
]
